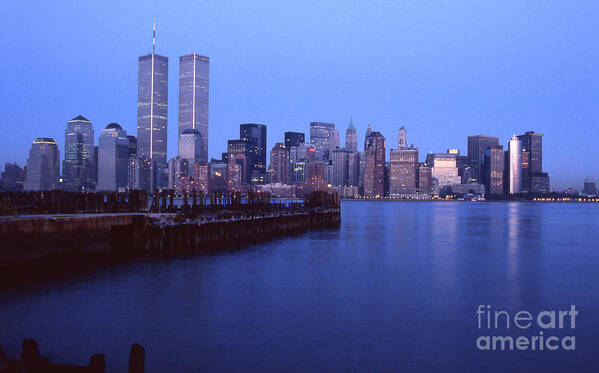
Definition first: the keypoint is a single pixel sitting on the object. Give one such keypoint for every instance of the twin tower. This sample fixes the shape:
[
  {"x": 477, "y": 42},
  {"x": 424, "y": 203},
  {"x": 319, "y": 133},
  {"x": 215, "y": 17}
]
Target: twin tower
[{"x": 152, "y": 109}]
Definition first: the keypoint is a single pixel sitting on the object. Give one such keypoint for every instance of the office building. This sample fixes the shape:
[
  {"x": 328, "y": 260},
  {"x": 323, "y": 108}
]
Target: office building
[
  {"x": 152, "y": 113},
  {"x": 113, "y": 159},
  {"x": 280, "y": 166},
  {"x": 513, "y": 168},
  {"x": 78, "y": 171},
  {"x": 191, "y": 146},
  {"x": 194, "y": 74},
  {"x": 294, "y": 139},
  {"x": 403, "y": 172},
  {"x": 43, "y": 166},
  {"x": 477, "y": 148},
  {"x": 444, "y": 168},
  {"x": 12, "y": 178},
  {"x": 532, "y": 164},
  {"x": 324, "y": 138},
  {"x": 255, "y": 136},
  {"x": 374, "y": 167},
  {"x": 493, "y": 170},
  {"x": 425, "y": 182},
  {"x": 339, "y": 167},
  {"x": 590, "y": 187}
]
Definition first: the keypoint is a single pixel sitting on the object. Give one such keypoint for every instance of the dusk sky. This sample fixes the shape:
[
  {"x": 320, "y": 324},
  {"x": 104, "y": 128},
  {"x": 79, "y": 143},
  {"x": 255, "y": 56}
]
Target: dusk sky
[{"x": 443, "y": 69}]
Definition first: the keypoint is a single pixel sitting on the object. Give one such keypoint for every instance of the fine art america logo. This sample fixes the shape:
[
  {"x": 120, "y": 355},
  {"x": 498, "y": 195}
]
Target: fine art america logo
[{"x": 523, "y": 330}]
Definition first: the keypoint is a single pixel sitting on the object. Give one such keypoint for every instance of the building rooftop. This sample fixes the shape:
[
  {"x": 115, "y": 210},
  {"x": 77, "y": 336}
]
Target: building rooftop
[
  {"x": 115, "y": 126},
  {"x": 79, "y": 118}
]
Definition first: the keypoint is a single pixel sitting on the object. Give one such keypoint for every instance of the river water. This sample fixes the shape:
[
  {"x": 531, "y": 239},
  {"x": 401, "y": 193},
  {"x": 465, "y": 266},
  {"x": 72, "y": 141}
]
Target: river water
[{"x": 395, "y": 288}]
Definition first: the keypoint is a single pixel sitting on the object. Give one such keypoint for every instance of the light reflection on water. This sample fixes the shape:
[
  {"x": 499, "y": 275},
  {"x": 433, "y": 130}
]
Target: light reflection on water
[{"x": 393, "y": 289}]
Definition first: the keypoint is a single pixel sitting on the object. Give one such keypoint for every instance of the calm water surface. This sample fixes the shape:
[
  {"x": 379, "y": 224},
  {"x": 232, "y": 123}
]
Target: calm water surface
[{"x": 395, "y": 288}]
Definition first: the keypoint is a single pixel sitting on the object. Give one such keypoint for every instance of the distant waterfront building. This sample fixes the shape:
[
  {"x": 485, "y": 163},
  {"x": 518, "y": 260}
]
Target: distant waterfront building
[
  {"x": 201, "y": 177},
  {"x": 353, "y": 169},
  {"x": 255, "y": 137},
  {"x": 152, "y": 113},
  {"x": 590, "y": 187},
  {"x": 78, "y": 171},
  {"x": 316, "y": 176},
  {"x": 280, "y": 164},
  {"x": 294, "y": 139},
  {"x": 218, "y": 176},
  {"x": 43, "y": 166},
  {"x": 132, "y": 168},
  {"x": 12, "y": 178},
  {"x": 424, "y": 179},
  {"x": 178, "y": 174},
  {"x": 477, "y": 148},
  {"x": 236, "y": 172},
  {"x": 374, "y": 167},
  {"x": 194, "y": 78},
  {"x": 191, "y": 146},
  {"x": 444, "y": 168},
  {"x": 340, "y": 167},
  {"x": 324, "y": 137},
  {"x": 113, "y": 159},
  {"x": 534, "y": 180},
  {"x": 493, "y": 170},
  {"x": 351, "y": 137},
  {"x": 299, "y": 157},
  {"x": 403, "y": 178},
  {"x": 513, "y": 169}
]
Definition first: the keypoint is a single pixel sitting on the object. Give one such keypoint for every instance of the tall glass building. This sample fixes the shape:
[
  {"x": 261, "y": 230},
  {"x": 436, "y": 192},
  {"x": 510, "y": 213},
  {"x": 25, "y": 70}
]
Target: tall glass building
[
  {"x": 78, "y": 170},
  {"x": 255, "y": 136},
  {"x": 477, "y": 148},
  {"x": 43, "y": 166},
  {"x": 152, "y": 111},
  {"x": 113, "y": 159},
  {"x": 194, "y": 72},
  {"x": 514, "y": 166}
]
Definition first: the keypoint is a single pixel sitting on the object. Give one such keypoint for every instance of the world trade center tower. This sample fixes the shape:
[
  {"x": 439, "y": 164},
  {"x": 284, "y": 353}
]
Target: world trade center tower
[
  {"x": 152, "y": 111},
  {"x": 193, "y": 99}
]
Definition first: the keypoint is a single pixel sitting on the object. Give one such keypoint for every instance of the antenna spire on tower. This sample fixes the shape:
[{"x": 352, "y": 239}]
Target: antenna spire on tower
[{"x": 154, "y": 37}]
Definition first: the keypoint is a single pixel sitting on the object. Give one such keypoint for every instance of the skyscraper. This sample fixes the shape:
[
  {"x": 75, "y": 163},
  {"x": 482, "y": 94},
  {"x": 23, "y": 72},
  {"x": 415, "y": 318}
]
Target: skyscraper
[
  {"x": 493, "y": 169},
  {"x": 255, "y": 136},
  {"x": 477, "y": 147},
  {"x": 191, "y": 146},
  {"x": 194, "y": 72},
  {"x": 294, "y": 139},
  {"x": 514, "y": 166},
  {"x": 324, "y": 137},
  {"x": 351, "y": 137},
  {"x": 152, "y": 111},
  {"x": 340, "y": 167},
  {"x": 374, "y": 168},
  {"x": 43, "y": 166},
  {"x": 113, "y": 159},
  {"x": 78, "y": 164},
  {"x": 280, "y": 164},
  {"x": 444, "y": 168},
  {"x": 403, "y": 172},
  {"x": 534, "y": 180}
]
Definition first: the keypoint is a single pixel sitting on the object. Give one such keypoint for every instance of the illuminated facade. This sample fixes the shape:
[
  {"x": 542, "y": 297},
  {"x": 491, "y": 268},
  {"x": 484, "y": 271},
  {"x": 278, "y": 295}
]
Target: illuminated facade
[
  {"x": 493, "y": 170},
  {"x": 403, "y": 178},
  {"x": 294, "y": 139},
  {"x": 194, "y": 74},
  {"x": 152, "y": 113},
  {"x": 78, "y": 168},
  {"x": 324, "y": 137},
  {"x": 280, "y": 165},
  {"x": 254, "y": 135},
  {"x": 444, "y": 168},
  {"x": 514, "y": 166},
  {"x": 191, "y": 146}
]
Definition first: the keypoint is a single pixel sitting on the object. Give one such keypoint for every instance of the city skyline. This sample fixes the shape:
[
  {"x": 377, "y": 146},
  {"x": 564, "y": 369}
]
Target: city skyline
[{"x": 336, "y": 106}]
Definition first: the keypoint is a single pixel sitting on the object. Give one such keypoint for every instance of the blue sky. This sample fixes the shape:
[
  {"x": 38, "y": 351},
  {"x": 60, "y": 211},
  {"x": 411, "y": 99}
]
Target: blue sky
[{"x": 442, "y": 69}]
